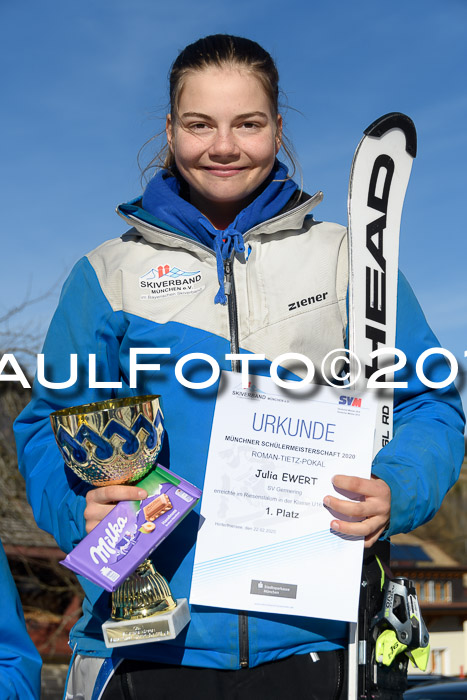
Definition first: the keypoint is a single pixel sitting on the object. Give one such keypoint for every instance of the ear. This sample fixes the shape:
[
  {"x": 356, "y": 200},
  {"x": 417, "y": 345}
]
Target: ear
[
  {"x": 169, "y": 132},
  {"x": 278, "y": 133}
]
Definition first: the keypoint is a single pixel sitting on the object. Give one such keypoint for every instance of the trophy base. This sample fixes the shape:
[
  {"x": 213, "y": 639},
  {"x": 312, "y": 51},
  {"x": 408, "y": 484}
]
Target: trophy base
[{"x": 155, "y": 628}]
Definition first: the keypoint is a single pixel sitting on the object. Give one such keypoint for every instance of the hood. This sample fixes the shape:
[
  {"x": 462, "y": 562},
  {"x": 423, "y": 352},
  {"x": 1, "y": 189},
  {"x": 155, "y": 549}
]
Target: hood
[{"x": 164, "y": 207}]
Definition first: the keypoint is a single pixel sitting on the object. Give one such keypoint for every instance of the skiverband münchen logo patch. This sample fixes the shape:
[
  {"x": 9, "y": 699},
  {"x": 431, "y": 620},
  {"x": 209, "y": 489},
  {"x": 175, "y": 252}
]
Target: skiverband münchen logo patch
[{"x": 169, "y": 280}]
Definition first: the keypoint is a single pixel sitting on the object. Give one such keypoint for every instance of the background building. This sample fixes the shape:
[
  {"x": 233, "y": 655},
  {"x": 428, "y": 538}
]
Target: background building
[{"x": 441, "y": 584}]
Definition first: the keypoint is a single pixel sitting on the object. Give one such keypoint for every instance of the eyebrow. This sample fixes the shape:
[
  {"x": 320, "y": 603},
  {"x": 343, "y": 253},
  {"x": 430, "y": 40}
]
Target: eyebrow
[{"x": 247, "y": 115}]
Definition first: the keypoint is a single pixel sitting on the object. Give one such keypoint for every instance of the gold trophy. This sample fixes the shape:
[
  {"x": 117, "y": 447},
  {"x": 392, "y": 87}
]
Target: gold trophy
[{"x": 117, "y": 441}]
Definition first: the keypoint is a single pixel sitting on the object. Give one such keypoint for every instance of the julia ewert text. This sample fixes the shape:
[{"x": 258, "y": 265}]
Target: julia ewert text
[{"x": 333, "y": 369}]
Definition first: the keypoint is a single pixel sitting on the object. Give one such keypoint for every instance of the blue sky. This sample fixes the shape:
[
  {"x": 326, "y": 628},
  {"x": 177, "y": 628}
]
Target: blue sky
[{"x": 85, "y": 85}]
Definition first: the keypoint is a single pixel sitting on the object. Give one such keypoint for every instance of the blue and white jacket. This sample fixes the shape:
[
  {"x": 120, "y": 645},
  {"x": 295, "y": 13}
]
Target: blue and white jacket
[
  {"x": 20, "y": 663},
  {"x": 285, "y": 284}
]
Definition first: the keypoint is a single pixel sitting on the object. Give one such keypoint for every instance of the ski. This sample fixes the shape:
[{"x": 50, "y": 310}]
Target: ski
[{"x": 378, "y": 181}]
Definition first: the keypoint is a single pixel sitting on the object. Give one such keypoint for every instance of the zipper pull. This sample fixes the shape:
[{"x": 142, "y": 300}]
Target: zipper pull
[{"x": 227, "y": 276}]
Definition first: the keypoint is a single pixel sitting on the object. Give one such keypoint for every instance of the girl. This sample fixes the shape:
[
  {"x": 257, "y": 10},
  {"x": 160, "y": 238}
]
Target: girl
[{"x": 224, "y": 212}]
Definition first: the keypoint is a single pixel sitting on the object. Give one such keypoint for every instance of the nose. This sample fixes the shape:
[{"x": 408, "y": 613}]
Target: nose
[{"x": 224, "y": 144}]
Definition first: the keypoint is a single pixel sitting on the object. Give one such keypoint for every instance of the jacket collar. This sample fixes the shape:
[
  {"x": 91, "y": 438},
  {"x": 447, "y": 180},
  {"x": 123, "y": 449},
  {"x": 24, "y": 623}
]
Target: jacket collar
[{"x": 154, "y": 230}]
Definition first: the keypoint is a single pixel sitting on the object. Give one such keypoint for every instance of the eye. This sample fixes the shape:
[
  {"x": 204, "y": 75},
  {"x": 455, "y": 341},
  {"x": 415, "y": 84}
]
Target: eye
[
  {"x": 250, "y": 125},
  {"x": 198, "y": 126}
]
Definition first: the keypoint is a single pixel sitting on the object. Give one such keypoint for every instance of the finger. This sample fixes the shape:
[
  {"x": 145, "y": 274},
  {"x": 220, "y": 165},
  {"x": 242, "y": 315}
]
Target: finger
[
  {"x": 364, "y": 528},
  {"x": 355, "y": 509},
  {"x": 92, "y": 520},
  {"x": 95, "y": 512},
  {"x": 116, "y": 493},
  {"x": 355, "y": 484},
  {"x": 346, "y": 509}
]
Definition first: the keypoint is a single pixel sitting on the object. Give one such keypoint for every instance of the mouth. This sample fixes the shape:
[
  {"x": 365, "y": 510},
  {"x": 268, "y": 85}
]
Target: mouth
[{"x": 223, "y": 171}]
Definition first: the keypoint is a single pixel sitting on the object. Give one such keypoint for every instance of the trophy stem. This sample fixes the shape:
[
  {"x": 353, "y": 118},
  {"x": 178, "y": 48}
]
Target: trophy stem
[
  {"x": 143, "y": 610},
  {"x": 142, "y": 594}
]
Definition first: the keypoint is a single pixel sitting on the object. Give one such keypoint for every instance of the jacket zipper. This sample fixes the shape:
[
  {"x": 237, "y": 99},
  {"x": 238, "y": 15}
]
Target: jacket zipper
[
  {"x": 229, "y": 284},
  {"x": 244, "y": 647}
]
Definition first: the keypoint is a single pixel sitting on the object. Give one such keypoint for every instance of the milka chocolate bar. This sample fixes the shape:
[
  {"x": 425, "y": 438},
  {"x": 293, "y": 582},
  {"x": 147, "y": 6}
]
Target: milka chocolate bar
[
  {"x": 126, "y": 536},
  {"x": 157, "y": 507}
]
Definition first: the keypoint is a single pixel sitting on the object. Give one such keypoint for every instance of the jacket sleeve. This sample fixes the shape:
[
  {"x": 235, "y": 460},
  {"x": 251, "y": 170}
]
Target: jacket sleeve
[
  {"x": 20, "y": 663},
  {"x": 424, "y": 458},
  {"x": 83, "y": 323}
]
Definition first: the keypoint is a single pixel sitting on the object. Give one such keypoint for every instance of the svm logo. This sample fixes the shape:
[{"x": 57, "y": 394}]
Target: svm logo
[{"x": 350, "y": 401}]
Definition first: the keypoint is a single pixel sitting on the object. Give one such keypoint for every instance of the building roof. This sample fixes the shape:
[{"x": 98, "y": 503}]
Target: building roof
[{"x": 408, "y": 550}]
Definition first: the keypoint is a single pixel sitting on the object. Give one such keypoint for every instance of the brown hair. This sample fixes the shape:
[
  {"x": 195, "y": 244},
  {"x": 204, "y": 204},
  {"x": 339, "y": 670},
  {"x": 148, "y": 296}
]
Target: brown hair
[{"x": 220, "y": 50}]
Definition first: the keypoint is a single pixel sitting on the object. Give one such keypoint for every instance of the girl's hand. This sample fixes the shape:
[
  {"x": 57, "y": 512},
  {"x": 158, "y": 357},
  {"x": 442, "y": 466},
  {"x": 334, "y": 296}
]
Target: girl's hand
[
  {"x": 367, "y": 514},
  {"x": 101, "y": 500}
]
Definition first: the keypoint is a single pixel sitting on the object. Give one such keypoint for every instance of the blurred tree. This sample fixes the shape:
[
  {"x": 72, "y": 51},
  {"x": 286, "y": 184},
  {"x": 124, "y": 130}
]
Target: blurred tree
[{"x": 50, "y": 593}]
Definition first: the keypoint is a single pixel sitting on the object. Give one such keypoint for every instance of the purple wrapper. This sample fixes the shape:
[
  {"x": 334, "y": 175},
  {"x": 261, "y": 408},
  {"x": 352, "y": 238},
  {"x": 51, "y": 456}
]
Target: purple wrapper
[{"x": 118, "y": 545}]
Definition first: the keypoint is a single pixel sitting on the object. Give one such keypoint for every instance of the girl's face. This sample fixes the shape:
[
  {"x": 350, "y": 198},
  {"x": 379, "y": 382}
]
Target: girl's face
[{"x": 224, "y": 140}]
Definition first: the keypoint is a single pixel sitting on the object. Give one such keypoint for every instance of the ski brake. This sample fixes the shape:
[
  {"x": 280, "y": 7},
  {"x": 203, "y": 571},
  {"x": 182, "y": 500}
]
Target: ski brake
[{"x": 399, "y": 625}]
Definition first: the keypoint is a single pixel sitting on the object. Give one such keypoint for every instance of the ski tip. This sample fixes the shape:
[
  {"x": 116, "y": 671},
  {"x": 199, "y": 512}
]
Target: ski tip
[{"x": 395, "y": 120}]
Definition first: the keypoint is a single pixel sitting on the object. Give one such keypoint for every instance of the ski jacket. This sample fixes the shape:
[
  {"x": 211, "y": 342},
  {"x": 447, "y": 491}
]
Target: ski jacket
[
  {"x": 154, "y": 288},
  {"x": 20, "y": 663}
]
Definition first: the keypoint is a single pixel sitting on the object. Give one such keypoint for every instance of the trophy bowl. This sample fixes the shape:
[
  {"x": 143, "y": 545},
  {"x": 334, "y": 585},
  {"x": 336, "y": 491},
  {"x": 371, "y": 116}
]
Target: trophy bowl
[{"x": 115, "y": 441}]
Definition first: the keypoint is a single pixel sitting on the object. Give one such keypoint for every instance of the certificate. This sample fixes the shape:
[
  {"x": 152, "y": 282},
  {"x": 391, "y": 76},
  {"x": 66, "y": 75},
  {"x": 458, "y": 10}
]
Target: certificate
[{"x": 265, "y": 542}]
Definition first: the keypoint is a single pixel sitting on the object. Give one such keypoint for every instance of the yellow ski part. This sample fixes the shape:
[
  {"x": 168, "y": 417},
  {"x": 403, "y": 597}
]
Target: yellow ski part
[
  {"x": 388, "y": 647},
  {"x": 419, "y": 657}
]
